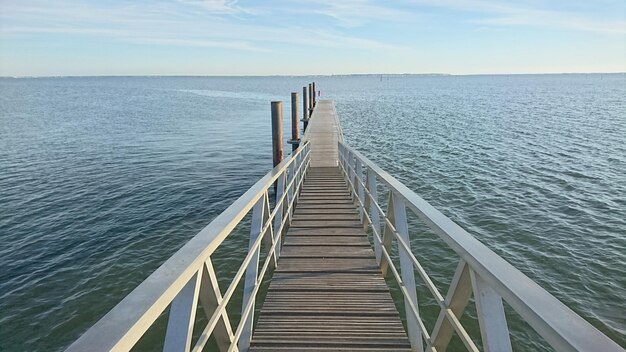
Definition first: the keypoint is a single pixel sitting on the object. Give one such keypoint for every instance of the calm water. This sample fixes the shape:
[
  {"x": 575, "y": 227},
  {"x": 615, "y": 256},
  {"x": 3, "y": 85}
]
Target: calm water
[{"x": 102, "y": 179}]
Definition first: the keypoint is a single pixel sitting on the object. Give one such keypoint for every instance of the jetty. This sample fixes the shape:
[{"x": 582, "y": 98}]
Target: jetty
[{"x": 328, "y": 229}]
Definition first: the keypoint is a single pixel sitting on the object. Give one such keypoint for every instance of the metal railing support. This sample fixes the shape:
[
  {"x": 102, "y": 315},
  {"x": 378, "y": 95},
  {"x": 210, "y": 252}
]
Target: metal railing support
[
  {"x": 360, "y": 190},
  {"x": 491, "y": 318},
  {"x": 372, "y": 189},
  {"x": 290, "y": 190},
  {"x": 210, "y": 298},
  {"x": 182, "y": 316},
  {"x": 258, "y": 219},
  {"x": 408, "y": 275},
  {"x": 280, "y": 191},
  {"x": 388, "y": 234},
  {"x": 268, "y": 234},
  {"x": 456, "y": 300}
]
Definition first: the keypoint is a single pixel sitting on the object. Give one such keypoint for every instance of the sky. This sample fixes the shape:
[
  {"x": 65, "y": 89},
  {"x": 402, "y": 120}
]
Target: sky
[{"x": 310, "y": 37}]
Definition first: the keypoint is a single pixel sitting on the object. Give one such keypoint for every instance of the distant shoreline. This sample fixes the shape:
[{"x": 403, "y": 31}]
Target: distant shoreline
[{"x": 323, "y": 75}]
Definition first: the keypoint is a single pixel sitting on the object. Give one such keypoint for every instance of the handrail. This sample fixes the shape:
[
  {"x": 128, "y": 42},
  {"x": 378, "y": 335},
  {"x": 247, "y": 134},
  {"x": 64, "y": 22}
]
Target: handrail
[
  {"x": 480, "y": 271},
  {"x": 188, "y": 276}
]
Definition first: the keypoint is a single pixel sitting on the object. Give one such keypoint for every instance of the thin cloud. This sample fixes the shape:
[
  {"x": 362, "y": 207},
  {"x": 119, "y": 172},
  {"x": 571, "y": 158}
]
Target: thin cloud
[
  {"x": 219, "y": 6},
  {"x": 355, "y": 13},
  {"x": 203, "y": 24},
  {"x": 509, "y": 14}
]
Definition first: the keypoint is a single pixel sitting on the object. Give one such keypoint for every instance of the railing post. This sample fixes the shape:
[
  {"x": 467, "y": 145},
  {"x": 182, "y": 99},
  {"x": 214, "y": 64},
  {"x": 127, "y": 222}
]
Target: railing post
[
  {"x": 491, "y": 318},
  {"x": 387, "y": 234},
  {"x": 352, "y": 168},
  {"x": 360, "y": 191},
  {"x": 252, "y": 271},
  {"x": 372, "y": 188},
  {"x": 290, "y": 190},
  {"x": 278, "y": 219},
  {"x": 305, "y": 107},
  {"x": 295, "y": 124},
  {"x": 407, "y": 273},
  {"x": 182, "y": 317}
]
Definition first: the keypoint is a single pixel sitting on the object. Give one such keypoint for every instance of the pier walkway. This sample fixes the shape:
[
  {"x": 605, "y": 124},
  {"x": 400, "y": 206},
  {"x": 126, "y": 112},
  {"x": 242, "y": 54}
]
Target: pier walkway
[
  {"x": 328, "y": 290},
  {"x": 324, "y": 133}
]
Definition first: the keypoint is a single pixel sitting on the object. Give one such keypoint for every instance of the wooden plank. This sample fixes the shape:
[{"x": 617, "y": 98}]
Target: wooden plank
[
  {"x": 326, "y": 224},
  {"x": 324, "y": 201},
  {"x": 321, "y": 211},
  {"x": 324, "y": 217},
  {"x": 335, "y": 232},
  {"x": 326, "y": 252},
  {"x": 340, "y": 265},
  {"x": 325, "y": 206},
  {"x": 317, "y": 192},
  {"x": 326, "y": 240}
]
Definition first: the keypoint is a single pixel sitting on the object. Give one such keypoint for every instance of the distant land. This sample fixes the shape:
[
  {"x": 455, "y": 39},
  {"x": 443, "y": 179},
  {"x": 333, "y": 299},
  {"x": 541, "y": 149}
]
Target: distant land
[{"x": 337, "y": 75}]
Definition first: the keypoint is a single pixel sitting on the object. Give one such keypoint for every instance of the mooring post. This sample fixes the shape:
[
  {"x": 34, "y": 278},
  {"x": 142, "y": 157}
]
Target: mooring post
[
  {"x": 277, "y": 132},
  {"x": 305, "y": 108},
  {"x": 310, "y": 99},
  {"x": 295, "y": 124},
  {"x": 278, "y": 152},
  {"x": 314, "y": 95}
]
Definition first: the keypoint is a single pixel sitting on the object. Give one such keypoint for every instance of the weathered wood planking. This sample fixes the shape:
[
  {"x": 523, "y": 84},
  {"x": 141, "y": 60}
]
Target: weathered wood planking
[
  {"x": 327, "y": 293},
  {"x": 323, "y": 133}
]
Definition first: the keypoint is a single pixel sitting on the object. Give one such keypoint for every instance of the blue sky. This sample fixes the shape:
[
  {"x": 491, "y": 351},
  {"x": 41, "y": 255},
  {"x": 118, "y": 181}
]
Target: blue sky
[{"x": 219, "y": 37}]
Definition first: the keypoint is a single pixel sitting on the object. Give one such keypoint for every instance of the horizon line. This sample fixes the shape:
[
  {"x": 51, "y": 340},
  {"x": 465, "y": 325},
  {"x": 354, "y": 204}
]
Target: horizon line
[{"x": 312, "y": 75}]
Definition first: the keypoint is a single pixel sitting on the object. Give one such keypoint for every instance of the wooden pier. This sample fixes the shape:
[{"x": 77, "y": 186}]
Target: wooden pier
[{"x": 327, "y": 292}]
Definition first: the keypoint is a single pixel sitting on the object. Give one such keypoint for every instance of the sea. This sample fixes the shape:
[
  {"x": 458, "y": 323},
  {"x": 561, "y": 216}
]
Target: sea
[{"x": 103, "y": 178}]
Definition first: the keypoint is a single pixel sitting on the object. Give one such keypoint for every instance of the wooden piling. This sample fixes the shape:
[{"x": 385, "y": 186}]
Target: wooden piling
[
  {"x": 305, "y": 107},
  {"x": 277, "y": 132},
  {"x": 310, "y": 99},
  {"x": 314, "y": 95},
  {"x": 295, "y": 123}
]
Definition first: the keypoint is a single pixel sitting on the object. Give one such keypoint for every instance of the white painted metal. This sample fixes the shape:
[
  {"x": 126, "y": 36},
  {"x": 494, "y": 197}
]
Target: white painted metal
[
  {"x": 375, "y": 214},
  {"x": 458, "y": 295},
  {"x": 360, "y": 187},
  {"x": 182, "y": 316},
  {"x": 493, "y": 328},
  {"x": 124, "y": 325},
  {"x": 280, "y": 191},
  {"x": 556, "y": 323},
  {"x": 408, "y": 276},
  {"x": 259, "y": 217},
  {"x": 210, "y": 298},
  {"x": 388, "y": 234}
]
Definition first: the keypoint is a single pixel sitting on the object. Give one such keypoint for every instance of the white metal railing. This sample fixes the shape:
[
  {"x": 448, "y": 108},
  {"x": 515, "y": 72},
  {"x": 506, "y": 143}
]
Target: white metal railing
[
  {"x": 188, "y": 276},
  {"x": 480, "y": 272}
]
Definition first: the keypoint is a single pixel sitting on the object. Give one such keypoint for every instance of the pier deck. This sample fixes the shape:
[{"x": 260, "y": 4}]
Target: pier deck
[
  {"x": 327, "y": 292},
  {"x": 324, "y": 132}
]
